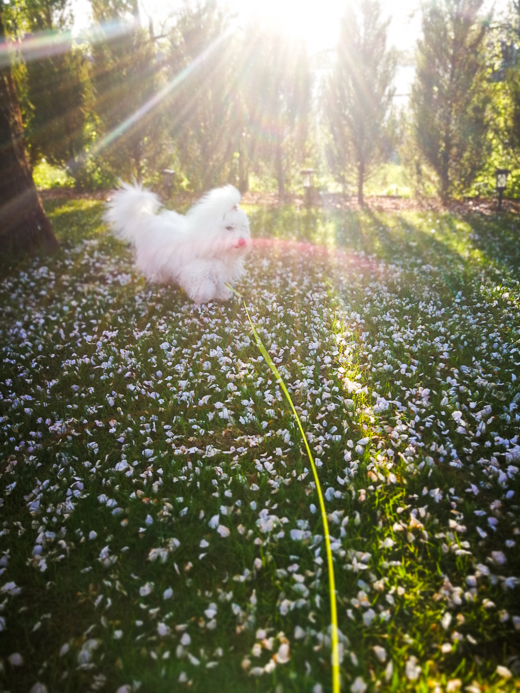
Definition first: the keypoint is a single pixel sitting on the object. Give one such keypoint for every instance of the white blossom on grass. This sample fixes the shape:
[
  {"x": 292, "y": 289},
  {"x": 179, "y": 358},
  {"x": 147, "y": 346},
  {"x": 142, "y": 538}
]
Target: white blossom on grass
[
  {"x": 146, "y": 589},
  {"x": 282, "y": 656},
  {"x": 503, "y": 672},
  {"x": 149, "y": 406},
  {"x": 359, "y": 686},
  {"x": 412, "y": 668},
  {"x": 214, "y": 521},
  {"x": 38, "y": 688}
]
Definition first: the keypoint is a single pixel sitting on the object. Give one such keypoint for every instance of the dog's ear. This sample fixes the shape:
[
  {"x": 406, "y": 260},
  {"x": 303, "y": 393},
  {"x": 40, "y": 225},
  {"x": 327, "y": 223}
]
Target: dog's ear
[
  {"x": 216, "y": 203},
  {"x": 233, "y": 209}
]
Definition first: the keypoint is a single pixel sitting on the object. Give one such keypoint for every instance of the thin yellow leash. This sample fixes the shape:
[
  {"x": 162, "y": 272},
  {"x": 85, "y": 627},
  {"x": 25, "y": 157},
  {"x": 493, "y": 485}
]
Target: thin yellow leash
[{"x": 332, "y": 584}]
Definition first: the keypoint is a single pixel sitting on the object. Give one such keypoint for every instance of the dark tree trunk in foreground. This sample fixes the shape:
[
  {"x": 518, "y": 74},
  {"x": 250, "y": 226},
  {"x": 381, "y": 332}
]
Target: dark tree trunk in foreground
[{"x": 23, "y": 224}]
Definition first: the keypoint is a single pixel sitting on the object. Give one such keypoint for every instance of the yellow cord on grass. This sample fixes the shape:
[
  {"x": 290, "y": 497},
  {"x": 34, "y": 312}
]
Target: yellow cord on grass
[{"x": 332, "y": 584}]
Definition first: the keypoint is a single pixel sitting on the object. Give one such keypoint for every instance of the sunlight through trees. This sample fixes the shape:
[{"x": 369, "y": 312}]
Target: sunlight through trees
[
  {"x": 218, "y": 96},
  {"x": 451, "y": 96},
  {"x": 24, "y": 226},
  {"x": 359, "y": 95}
]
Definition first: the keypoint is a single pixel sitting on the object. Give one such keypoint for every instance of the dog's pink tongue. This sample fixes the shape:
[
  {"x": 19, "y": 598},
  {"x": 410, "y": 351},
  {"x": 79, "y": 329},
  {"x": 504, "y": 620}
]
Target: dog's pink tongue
[{"x": 241, "y": 242}]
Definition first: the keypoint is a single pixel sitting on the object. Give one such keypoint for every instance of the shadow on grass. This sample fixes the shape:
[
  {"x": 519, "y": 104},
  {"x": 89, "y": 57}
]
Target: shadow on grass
[
  {"x": 457, "y": 243},
  {"x": 438, "y": 239},
  {"x": 460, "y": 246}
]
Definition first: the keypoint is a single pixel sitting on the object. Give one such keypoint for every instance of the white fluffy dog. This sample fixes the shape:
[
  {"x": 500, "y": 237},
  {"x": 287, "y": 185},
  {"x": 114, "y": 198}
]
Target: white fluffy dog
[{"x": 201, "y": 251}]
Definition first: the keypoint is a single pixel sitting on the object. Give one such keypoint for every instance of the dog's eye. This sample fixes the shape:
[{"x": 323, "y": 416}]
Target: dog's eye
[{"x": 230, "y": 228}]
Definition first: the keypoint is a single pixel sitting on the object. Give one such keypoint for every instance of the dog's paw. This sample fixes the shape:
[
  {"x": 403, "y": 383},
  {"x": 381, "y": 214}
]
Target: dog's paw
[{"x": 203, "y": 293}]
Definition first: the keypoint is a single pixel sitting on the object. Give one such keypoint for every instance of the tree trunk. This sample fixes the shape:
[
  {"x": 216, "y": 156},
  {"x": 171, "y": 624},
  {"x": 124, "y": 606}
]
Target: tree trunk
[
  {"x": 360, "y": 182},
  {"x": 243, "y": 176},
  {"x": 23, "y": 224},
  {"x": 280, "y": 172}
]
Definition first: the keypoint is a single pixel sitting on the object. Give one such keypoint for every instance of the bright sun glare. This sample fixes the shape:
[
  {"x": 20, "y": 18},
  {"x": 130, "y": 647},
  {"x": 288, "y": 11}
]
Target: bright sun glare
[
  {"x": 314, "y": 21},
  {"x": 317, "y": 21}
]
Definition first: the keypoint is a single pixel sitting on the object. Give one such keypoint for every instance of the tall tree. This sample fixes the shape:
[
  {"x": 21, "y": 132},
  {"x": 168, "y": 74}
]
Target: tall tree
[
  {"x": 23, "y": 224},
  {"x": 513, "y": 78},
  {"x": 124, "y": 79},
  {"x": 241, "y": 100},
  {"x": 450, "y": 97},
  {"x": 276, "y": 81},
  {"x": 359, "y": 94},
  {"x": 56, "y": 87},
  {"x": 205, "y": 109}
]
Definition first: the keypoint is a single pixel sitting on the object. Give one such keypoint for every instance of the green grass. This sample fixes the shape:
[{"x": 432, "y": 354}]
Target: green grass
[
  {"x": 160, "y": 528},
  {"x": 389, "y": 179},
  {"x": 47, "y": 176}
]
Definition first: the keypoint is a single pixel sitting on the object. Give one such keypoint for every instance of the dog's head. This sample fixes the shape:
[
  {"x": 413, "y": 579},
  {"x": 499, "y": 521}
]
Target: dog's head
[
  {"x": 234, "y": 231},
  {"x": 220, "y": 224}
]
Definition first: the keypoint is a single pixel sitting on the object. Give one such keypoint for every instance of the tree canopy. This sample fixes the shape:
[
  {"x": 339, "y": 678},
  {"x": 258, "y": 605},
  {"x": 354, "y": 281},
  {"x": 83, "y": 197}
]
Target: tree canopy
[
  {"x": 220, "y": 101},
  {"x": 359, "y": 94},
  {"x": 450, "y": 97}
]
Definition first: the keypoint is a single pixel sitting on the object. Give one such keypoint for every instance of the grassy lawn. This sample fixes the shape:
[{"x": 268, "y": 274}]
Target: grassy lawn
[{"x": 160, "y": 529}]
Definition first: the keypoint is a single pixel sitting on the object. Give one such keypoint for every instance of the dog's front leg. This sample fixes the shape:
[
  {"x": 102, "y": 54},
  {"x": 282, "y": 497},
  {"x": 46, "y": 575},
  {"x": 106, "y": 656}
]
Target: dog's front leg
[{"x": 203, "y": 280}]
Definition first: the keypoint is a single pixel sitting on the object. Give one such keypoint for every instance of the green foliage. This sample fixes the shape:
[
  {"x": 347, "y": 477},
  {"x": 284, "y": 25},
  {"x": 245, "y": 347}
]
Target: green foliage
[
  {"x": 204, "y": 108},
  {"x": 56, "y": 128},
  {"x": 124, "y": 79},
  {"x": 389, "y": 179},
  {"x": 53, "y": 85},
  {"x": 276, "y": 83},
  {"x": 513, "y": 85},
  {"x": 450, "y": 98},
  {"x": 46, "y": 176},
  {"x": 240, "y": 103},
  {"x": 504, "y": 130},
  {"x": 218, "y": 105},
  {"x": 513, "y": 76},
  {"x": 501, "y": 153},
  {"x": 359, "y": 95}
]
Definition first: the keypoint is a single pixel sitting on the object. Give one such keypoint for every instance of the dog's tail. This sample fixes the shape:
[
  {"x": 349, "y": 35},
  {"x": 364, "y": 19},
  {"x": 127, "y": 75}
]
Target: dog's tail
[{"x": 129, "y": 209}]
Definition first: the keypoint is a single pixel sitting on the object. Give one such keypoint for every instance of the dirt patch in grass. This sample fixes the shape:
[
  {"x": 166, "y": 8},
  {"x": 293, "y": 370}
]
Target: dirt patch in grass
[{"x": 383, "y": 203}]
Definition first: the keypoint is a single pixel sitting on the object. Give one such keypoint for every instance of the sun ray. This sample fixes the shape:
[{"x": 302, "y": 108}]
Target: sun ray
[
  {"x": 157, "y": 98},
  {"x": 46, "y": 44}
]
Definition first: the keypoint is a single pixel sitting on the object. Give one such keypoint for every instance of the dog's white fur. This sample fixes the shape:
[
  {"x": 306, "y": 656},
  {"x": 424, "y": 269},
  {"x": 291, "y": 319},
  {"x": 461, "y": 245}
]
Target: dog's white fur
[{"x": 201, "y": 251}]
